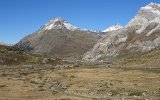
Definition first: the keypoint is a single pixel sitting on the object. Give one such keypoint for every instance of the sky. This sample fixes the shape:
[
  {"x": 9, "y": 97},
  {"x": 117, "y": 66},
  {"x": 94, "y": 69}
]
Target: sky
[{"x": 19, "y": 18}]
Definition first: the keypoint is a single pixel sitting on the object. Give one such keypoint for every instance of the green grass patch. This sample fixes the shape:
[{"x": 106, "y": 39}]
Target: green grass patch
[
  {"x": 117, "y": 91},
  {"x": 135, "y": 92}
]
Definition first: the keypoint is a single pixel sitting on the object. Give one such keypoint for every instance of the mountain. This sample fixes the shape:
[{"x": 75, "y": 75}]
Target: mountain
[
  {"x": 112, "y": 28},
  {"x": 140, "y": 35},
  {"x": 59, "y": 38}
]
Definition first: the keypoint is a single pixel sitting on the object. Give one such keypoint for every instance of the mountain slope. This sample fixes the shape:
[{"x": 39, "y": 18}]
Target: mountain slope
[
  {"x": 60, "y": 39},
  {"x": 149, "y": 60},
  {"x": 141, "y": 34}
]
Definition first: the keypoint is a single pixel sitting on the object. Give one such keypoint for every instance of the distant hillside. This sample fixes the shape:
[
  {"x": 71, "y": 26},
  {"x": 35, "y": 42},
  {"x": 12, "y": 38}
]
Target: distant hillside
[
  {"x": 10, "y": 55},
  {"x": 6, "y": 44}
]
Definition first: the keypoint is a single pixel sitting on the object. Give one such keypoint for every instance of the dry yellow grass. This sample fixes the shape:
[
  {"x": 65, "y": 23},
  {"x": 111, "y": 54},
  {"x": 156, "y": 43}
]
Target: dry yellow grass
[{"x": 78, "y": 84}]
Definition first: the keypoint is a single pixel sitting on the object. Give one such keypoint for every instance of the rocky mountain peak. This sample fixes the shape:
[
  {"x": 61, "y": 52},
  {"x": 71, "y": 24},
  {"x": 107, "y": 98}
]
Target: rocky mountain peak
[
  {"x": 146, "y": 15},
  {"x": 57, "y": 19},
  {"x": 59, "y": 23},
  {"x": 152, "y": 7}
]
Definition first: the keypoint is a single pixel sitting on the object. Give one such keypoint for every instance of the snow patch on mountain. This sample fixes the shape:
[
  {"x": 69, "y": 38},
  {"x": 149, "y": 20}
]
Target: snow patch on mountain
[
  {"x": 59, "y": 23},
  {"x": 112, "y": 28}
]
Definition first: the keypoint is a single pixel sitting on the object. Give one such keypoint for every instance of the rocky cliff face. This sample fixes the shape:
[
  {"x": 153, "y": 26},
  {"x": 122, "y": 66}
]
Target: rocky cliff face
[
  {"x": 60, "y": 39},
  {"x": 141, "y": 34}
]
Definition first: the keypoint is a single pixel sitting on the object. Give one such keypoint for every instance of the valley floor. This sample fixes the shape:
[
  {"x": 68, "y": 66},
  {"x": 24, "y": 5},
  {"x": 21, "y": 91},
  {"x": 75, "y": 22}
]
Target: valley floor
[{"x": 83, "y": 83}]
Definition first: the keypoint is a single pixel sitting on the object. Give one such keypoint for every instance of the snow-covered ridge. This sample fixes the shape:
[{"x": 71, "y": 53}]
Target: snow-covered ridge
[
  {"x": 63, "y": 24},
  {"x": 112, "y": 28},
  {"x": 153, "y": 7},
  {"x": 59, "y": 23}
]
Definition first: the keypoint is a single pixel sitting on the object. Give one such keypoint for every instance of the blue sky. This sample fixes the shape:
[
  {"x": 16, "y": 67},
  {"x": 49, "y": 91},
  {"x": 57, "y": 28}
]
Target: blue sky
[{"x": 19, "y": 18}]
